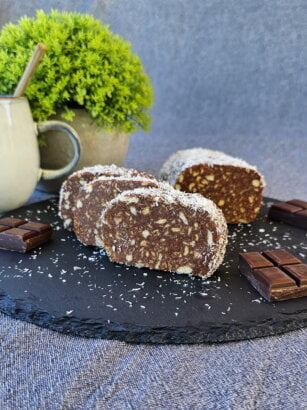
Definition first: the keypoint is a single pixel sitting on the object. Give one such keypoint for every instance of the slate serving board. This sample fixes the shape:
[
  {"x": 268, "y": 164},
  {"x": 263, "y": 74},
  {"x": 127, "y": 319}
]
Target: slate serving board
[{"x": 70, "y": 288}]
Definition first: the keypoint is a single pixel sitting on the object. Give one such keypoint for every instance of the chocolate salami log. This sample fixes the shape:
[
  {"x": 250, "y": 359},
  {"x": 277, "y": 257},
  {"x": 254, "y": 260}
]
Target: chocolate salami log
[
  {"x": 70, "y": 188},
  {"x": 166, "y": 230},
  {"x": 94, "y": 197},
  {"x": 234, "y": 185}
]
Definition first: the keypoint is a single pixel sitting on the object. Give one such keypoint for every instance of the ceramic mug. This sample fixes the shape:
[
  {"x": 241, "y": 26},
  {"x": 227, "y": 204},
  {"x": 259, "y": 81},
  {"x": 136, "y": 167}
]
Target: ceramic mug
[{"x": 19, "y": 154}]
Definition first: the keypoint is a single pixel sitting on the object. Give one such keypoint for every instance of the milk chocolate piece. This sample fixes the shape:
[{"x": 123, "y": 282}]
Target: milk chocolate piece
[
  {"x": 274, "y": 278},
  {"x": 94, "y": 197},
  {"x": 12, "y": 222},
  {"x": 234, "y": 185},
  {"x": 277, "y": 275},
  {"x": 166, "y": 230},
  {"x": 281, "y": 257},
  {"x": 298, "y": 273},
  {"x": 21, "y": 236},
  {"x": 256, "y": 260},
  {"x": 71, "y": 187},
  {"x": 35, "y": 226},
  {"x": 292, "y": 212}
]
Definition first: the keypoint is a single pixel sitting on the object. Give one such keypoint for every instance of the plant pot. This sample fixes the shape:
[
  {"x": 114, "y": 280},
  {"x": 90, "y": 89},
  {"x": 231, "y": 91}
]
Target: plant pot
[{"x": 97, "y": 147}]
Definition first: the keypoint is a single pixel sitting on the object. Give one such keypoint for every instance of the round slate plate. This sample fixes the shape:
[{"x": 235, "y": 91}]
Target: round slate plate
[{"x": 71, "y": 288}]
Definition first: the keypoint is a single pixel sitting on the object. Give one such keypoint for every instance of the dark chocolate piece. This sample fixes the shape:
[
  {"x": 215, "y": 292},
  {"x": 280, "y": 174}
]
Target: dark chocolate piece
[
  {"x": 292, "y": 212},
  {"x": 285, "y": 278},
  {"x": 298, "y": 273},
  {"x": 298, "y": 202},
  {"x": 21, "y": 236},
  {"x": 256, "y": 260},
  {"x": 281, "y": 257},
  {"x": 12, "y": 222},
  {"x": 35, "y": 226}
]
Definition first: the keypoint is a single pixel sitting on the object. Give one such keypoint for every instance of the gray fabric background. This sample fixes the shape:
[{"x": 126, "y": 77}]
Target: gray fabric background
[{"x": 228, "y": 75}]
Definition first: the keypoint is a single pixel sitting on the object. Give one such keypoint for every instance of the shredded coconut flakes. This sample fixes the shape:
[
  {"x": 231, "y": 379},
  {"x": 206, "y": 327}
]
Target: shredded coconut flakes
[
  {"x": 183, "y": 159},
  {"x": 196, "y": 202}
]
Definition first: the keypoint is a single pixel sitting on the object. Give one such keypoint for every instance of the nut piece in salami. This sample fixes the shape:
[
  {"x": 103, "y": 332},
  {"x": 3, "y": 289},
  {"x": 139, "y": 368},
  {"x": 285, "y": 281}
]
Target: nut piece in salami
[
  {"x": 94, "y": 197},
  {"x": 166, "y": 230},
  {"x": 234, "y": 185},
  {"x": 70, "y": 188},
  {"x": 21, "y": 236}
]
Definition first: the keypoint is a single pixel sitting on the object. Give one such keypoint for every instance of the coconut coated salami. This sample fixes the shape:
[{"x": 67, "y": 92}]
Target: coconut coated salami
[
  {"x": 234, "y": 185},
  {"x": 70, "y": 188},
  {"x": 165, "y": 230},
  {"x": 94, "y": 197}
]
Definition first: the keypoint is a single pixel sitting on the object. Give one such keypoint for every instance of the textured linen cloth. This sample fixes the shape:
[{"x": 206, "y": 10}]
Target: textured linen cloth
[
  {"x": 227, "y": 75},
  {"x": 45, "y": 370}
]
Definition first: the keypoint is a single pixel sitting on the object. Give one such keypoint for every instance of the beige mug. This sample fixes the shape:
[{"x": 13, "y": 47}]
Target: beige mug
[{"x": 19, "y": 154}]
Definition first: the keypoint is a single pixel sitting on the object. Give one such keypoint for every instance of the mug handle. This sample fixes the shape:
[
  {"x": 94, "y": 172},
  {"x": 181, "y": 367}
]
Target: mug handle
[{"x": 74, "y": 138}]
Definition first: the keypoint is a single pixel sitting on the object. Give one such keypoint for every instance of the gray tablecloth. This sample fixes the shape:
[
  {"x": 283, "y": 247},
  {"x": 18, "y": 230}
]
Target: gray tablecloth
[
  {"x": 45, "y": 370},
  {"x": 228, "y": 75}
]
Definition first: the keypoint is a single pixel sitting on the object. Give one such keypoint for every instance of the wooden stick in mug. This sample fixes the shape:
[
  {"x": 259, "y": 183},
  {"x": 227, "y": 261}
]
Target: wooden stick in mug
[{"x": 32, "y": 65}]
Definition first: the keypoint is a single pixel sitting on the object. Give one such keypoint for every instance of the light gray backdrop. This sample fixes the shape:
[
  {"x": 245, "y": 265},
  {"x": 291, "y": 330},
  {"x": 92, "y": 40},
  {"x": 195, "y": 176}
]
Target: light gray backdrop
[{"x": 228, "y": 75}]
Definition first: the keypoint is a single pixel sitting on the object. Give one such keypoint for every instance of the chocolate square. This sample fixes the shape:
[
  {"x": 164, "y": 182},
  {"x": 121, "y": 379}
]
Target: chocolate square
[
  {"x": 281, "y": 257},
  {"x": 292, "y": 212},
  {"x": 282, "y": 276},
  {"x": 11, "y": 222},
  {"x": 298, "y": 273},
  {"x": 21, "y": 236}
]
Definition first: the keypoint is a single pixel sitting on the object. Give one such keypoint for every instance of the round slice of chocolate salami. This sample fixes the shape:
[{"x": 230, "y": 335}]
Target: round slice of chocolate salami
[
  {"x": 70, "y": 188},
  {"x": 94, "y": 197},
  {"x": 234, "y": 185},
  {"x": 165, "y": 230}
]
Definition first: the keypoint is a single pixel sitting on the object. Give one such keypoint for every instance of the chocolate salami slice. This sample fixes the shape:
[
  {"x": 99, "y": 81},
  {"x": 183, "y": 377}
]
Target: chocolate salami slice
[
  {"x": 94, "y": 197},
  {"x": 70, "y": 188},
  {"x": 166, "y": 230},
  {"x": 234, "y": 185}
]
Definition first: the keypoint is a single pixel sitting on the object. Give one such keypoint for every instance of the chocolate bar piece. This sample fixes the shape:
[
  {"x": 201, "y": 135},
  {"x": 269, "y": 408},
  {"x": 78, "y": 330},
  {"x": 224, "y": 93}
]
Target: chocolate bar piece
[
  {"x": 277, "y": 275},
  {"x": 292, "y": 212},
  {"x": 22, "y": 236}
]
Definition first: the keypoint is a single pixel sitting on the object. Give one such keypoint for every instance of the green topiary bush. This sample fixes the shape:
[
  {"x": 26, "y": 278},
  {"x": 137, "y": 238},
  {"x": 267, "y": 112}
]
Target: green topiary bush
[{"x": 85, "y": 64}]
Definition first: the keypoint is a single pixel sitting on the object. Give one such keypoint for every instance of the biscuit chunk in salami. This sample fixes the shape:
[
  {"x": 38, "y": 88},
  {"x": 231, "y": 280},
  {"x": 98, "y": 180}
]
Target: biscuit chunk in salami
[
  {"x": 94, "y": 197},
  {"x": 234, "y": 185},
  {"x": 70, "y": 188},
  {"x": 165, "y": 230}
]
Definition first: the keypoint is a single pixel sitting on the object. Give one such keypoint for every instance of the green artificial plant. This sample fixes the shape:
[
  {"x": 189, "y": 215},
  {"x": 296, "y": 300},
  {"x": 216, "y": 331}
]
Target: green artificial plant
[{"x": 85, "y": 64}]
